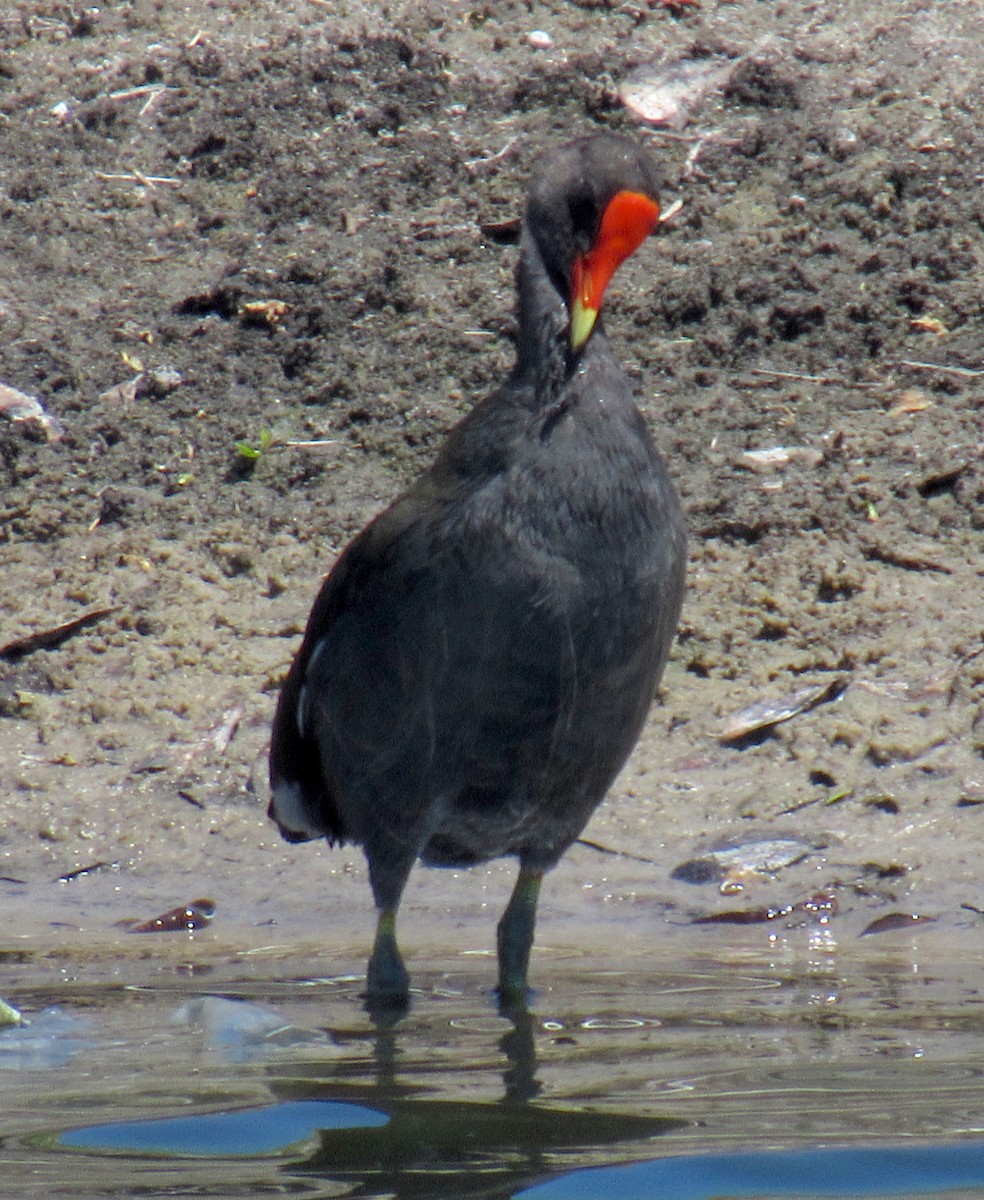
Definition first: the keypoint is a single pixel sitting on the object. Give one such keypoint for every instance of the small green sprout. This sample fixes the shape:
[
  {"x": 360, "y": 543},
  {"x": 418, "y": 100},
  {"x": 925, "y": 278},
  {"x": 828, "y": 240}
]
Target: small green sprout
[{"x": 254, "y": 450}]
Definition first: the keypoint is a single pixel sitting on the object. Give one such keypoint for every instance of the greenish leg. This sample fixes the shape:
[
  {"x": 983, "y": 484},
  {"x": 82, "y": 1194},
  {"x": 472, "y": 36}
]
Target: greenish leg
[
  {"x": 387, "y": 979},
  {"x": 515, "y": 938}
]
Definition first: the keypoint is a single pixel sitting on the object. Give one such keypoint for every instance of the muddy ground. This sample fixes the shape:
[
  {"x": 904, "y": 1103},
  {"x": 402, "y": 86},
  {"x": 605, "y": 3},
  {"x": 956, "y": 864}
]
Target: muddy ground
[{"x": 169, "y": 170}]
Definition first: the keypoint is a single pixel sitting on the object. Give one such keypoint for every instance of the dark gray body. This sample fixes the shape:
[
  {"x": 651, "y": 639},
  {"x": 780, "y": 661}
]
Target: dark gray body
[{"x": 480, "y": 661}]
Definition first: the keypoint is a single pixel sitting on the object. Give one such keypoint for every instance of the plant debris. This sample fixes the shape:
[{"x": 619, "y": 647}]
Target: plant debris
[
  {"x": 268, "y": 312},
  {"x": 185, "y": 919},
  {"x": 145, "y": 385},
  {"x": 776, "y": 457},
  {"x": 89, "y": 869},
  {"x": 895, "y": 920},
  {"x": 19, "y": 406},
  {"x": 52, "y": 638},
  {"x": 669, "y": 94},
  {"x": 819, "y": 907},
  {"x": 764, "y": 714},
  {"x": 734, "y": 859},
  {"x": 9, "y": 1015}
]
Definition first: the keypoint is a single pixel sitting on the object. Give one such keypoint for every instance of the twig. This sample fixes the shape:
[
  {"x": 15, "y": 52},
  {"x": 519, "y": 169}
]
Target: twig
[
  {"x": 431, "y": 232},
  {"x": 150, "y": 181},
  {"x": 472, "y": 163},
  {"x": 825, "y": 379},
  {"x": 678, "y": 135},
  {"x": 152, "y": 100},
  {"x": 145, "y": 89},
  {"x": 928, "y": 366},
  {"x": 615, "y": 853},
  {"x": 908, "y": 561},
  {"x": 89, "y": 869},
  {"x": 50, "y": 639}
]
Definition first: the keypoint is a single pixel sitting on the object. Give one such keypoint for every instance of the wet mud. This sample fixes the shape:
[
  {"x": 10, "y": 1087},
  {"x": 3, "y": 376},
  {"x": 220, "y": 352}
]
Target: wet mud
[{"x": 255, "y": 259}]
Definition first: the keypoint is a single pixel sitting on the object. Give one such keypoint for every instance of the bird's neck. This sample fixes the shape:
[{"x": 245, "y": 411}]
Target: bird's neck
[{"x": 543, "y": 358}]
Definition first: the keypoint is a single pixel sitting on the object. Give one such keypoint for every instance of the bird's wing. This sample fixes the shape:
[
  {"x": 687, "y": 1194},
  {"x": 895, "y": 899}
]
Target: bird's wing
[{"x": 423, "y": 661}]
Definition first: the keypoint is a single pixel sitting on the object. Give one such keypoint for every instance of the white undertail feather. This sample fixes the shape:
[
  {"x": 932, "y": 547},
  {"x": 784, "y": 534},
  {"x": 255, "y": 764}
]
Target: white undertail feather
[{"x": 290, "y": 812}]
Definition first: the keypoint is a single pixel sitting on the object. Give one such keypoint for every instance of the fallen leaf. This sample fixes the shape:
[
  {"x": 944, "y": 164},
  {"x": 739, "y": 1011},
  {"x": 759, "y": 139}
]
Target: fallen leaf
[
  {"x": 89, "y": 869},
  {"x": 911, "y": 401},
  {"x": 222, "y": 736},
  {"x": 270, "y": 311},
  {"x": 766, "y": 713},
  {"x": 9, "y": 1015},
  {"x": 781, "y": 456},
  {"x": 188, "y": 918},
  {"x": 821, "y": 907},
  {"x": 122, "y": 393},
  {"x": 669, "y": 93},
  {"x": 52, "y": 637},
  {"x": 748, "y": 856},
  {"x": 895, "y": 920},
  {"x": 19, "y": 406},
  {"x": 929, "y": 325}
]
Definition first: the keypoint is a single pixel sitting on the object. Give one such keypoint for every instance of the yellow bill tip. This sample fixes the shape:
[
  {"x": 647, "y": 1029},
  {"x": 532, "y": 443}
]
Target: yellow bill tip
[{"x": 582, "y": 322}]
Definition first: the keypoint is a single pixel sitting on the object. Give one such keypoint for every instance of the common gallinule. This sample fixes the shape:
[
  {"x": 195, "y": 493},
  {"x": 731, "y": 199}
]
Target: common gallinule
[{"x": 480, "y": 661}]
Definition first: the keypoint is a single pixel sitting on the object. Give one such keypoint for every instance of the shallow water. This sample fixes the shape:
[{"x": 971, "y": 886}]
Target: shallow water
[{"x": 692, "y": 1067}]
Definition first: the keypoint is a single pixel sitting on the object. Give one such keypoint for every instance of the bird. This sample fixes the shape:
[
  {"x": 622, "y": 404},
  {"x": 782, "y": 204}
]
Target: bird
[{"x": 479, "y": 662}]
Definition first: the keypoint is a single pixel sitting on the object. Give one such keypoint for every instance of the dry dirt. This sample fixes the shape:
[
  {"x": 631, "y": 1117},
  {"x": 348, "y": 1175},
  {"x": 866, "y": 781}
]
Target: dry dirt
[{"x": 169, "y": 170}]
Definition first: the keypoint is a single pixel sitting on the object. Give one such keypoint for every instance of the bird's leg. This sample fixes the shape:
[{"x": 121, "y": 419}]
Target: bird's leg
[
  {"x": 515, "y": 938},
  {"x": 387, "y": 980}
]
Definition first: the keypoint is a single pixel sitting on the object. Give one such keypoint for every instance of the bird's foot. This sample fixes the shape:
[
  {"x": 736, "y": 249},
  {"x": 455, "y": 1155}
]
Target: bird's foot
[
  {"x": 514, "y": 997},
  {"x": 387, "y": 978}
]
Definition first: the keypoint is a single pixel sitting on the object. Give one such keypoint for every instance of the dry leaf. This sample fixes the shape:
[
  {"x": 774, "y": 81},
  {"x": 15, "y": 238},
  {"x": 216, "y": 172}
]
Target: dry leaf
[
  {"x": 19, "y": 406},
  {"x": 895, "y": 920},
  {"x": 270, "y": 311},
  {"x": 767, "y": 713},
  {"x": 910, "y": 401},
  {"x": 669, "y": 93},
  {"x": 929, "y": 325},
  {"x": 121, "y": 393},
  {"x": 781, "y": 456}
]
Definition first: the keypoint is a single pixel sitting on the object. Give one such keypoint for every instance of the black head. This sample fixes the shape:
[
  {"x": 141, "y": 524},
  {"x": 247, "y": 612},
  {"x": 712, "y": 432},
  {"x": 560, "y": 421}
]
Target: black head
[{"x": 571, "y": 189}]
